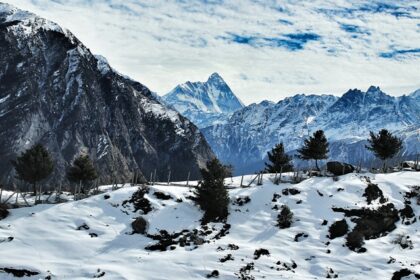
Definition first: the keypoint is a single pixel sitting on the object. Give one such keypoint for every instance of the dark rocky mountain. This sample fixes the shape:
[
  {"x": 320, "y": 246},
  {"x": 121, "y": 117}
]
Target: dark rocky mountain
[
  {"x": 245, "y": 138},
  {"x": 54, "y": 91},
  {"x": 204, "y": 103}
]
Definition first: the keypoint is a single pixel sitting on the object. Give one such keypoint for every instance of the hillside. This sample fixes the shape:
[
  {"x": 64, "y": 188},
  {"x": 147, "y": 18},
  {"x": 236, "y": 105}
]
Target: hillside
[
  {"x": 54, "y": 91},
  {"x": 92, "y": 238}
]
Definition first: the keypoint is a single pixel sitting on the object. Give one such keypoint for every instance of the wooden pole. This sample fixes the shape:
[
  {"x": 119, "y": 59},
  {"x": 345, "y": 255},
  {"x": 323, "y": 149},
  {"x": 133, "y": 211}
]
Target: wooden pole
[
  {"x": 188, "y": 178},
  {"x": 169, "y": 176},
  {"x": 154, "y": 177},
  {"x": 242, "y": 180},
  {"x": 24, "y": 199}
]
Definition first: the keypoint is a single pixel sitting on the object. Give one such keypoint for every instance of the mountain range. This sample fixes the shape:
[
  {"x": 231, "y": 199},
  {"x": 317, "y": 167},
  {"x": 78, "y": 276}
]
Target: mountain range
[
  {"x": 54, "y": 91},
  {"x": 242, "y": 138}
]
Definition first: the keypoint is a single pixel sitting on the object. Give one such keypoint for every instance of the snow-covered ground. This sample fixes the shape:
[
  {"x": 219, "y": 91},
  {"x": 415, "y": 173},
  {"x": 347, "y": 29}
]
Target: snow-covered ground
[{"x": 46, "y": 238}]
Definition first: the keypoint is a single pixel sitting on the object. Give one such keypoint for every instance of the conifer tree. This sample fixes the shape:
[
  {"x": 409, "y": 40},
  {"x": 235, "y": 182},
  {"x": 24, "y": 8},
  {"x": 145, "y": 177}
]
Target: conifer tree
[
  {"x": 384, "y": 145},
  {"x": 33, "y": 165},
  {"x": 211, "y": 194},
  {"x": 315, "y": 147},
  {"x": 82, "y": 171},
  {"x": 280, "y": 161}
]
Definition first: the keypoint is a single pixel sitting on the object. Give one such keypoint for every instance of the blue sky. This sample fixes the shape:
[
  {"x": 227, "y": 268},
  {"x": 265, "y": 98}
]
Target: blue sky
[{"x": 263, "y": 49}]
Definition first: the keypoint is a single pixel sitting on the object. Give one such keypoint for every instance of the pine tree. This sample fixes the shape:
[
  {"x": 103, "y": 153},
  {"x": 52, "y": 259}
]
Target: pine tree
[
  {"x": 280, "y": 161},
  {"x": 33, "y": 165},
  {"x": 211, "y": 194},
  {"x": 384, "y": 145},
  {"x": 316, "y": 147},
  {"x": 82, "y": 170}
]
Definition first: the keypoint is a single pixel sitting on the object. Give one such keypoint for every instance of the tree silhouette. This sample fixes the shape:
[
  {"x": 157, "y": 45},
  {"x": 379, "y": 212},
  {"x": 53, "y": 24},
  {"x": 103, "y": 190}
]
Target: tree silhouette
[
  {"x": 315, "y": 147},
  {"x": 82, "y": 170},
  {"x": 384, "y": 145},
  {"x": 280, "y": 161},
  {"x": 211, "y": 194},
  {"x": 33, "y": 165}
]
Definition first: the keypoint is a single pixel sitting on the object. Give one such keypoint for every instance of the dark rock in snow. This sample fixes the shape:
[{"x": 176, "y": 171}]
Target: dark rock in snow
[
  {"x": 19, "y": 272},
  {"x": 339, "y": 168},
  {"x": 4, "y": 212},
  {"x": 398, "y": 275},
  {"x": 139, "y": 225},
  {"x": 260, "y": 252},
  {"x": 162, "y": 196}
]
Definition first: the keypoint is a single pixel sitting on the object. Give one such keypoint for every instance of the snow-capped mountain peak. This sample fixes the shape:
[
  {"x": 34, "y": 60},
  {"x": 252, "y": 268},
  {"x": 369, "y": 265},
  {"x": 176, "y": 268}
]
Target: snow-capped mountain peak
[{"x": 204, "y": 103}]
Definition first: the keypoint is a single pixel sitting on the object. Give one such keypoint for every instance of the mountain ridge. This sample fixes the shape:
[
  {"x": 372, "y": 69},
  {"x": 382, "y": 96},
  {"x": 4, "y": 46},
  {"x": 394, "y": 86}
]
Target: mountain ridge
[{"x": 56, "y": 92}]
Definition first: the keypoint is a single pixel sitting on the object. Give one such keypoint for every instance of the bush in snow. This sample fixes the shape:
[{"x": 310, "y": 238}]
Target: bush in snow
[
  {"x": 139, "y": 201},
  {"x": 355, "y": 241},
  {"x": 211, "y": 194},
  {"x": 338, "y": 229},
  {"x": 373, "y": 192},
  {"x": 285, "y": 217}
]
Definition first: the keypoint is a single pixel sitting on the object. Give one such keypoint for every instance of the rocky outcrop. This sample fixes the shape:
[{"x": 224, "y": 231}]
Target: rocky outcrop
[
  {"x": 55, "y": 92},
  {"x": 339, "y": 168}
]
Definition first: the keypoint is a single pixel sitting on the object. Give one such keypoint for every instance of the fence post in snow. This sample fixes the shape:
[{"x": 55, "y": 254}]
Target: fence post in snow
[
  {"x": 188, "y": 178},
  {"x": 151, "y": 178},
  {"x": 154, "y": 177},
  {"x": 242, "y": 179}
]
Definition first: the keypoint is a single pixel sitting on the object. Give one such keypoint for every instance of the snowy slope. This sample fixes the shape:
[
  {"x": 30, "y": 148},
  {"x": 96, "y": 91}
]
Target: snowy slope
[
  {"x": 204, "y": 103},
  {"x": 46, "y": 239}
]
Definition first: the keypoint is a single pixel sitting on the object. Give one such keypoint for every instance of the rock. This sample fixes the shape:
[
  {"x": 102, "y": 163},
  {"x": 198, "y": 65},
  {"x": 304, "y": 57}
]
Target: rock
[
  {"x": 139, "y": 225},
  {"x": 260, "y": 252},
  {"x": 3, "y": 211},
  {"x": 19, "y": 272},
  {"x": 213, "y": 274},
  {"x": 162, "y": 196},
  {"x": 398, "y": 275},
  {"x": 338, "y": 229},
  {"x": 339, "y": 168}
]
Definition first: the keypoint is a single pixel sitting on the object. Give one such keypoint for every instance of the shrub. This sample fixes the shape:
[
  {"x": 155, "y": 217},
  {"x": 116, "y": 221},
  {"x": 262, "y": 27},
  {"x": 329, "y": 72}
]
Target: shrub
[
  {"x": 373, "y": 192},
  {"x": 139, "y": 201},
  {"x": 355, "y": 241},
  {"x": 338, "y": 229},
  {"x": 285, "y": 217}
]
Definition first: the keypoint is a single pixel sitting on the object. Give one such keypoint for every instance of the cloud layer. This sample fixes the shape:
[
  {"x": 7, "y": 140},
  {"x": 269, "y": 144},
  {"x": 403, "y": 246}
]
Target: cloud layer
[{"x": 263, "y": 49}]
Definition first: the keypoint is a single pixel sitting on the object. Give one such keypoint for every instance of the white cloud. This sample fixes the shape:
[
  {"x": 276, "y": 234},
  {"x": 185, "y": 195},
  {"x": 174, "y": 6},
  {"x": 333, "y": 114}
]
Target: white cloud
[{"x": 164, "y": 43}]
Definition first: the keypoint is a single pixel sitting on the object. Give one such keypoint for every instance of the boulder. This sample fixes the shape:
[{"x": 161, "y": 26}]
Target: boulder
[
  {"x": 339, "y": 168},
  {"x": 139, "y": 225}
]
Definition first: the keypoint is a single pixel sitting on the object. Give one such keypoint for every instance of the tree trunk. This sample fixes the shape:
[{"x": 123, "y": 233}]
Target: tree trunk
[
  {"x": 34, "y": 187},
  {"x": 384, "y": 167},
  {"x": 316, "y": 164}
]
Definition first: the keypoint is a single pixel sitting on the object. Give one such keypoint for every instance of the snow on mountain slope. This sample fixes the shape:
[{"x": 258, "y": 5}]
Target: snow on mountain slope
[
  {"x": 252, "y": 131},
  {"x": 46, "y": 238},
  {"x": 204, "y": 103},
  {"x": 54, "y": 91}
]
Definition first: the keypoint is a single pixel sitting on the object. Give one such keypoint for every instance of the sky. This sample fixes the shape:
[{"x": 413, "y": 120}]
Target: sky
[{"x": 263, "y": 49}]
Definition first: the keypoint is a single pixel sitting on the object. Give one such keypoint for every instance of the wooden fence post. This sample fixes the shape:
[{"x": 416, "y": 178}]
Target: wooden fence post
[
  {"x": 188, "y": 178},
  {"x": 169, "y": 176},
  {"x": 242, "y": 180}
]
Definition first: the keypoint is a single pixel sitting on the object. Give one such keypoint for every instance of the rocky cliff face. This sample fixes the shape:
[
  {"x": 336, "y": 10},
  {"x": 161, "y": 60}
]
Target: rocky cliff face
[
  {"x": 54, "y": 91},
  {"x": 252, "y": 131},
  {"x": 204, "y": 103}
]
